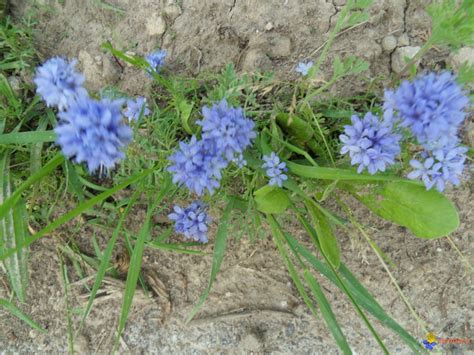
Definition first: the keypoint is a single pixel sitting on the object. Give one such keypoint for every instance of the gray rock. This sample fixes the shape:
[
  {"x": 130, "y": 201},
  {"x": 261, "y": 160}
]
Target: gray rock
[
  {"x": 155, "y": 25},
  {"x": 398, "y": 57},
  {"x": 465, "y": 54},
  {"x": 15, "y": 84},
  {"x": 389, "y": 43},
  {"x": 256, "y": 58},
  {"x": 403, "y": 40},
  {"x": 172, "y": 11},
  {"x": 280, "y": 46}
]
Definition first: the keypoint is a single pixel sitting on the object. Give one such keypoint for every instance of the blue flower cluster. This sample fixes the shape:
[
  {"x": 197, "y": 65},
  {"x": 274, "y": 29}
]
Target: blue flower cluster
[
  {"x": 440, "y": 167},
  {"x": 135, "y": 107},
  {"x": 88, "y": 131},
  {"x": 432, "y": 107},
  {"x": 226, "y": 133},
  {"x": 93, "y": 132},
  {"x": 370, "y": 143},
  {"x": 197, "y": 165},
  {"x": 275, "y": 169},
  {"x": 303, "y": 68},
  {"x": 191, "y": 221},
  {"x": 156, "y": 60},
  {"x": 58, "y": 83},
  {"x": 227, "y": 128}
]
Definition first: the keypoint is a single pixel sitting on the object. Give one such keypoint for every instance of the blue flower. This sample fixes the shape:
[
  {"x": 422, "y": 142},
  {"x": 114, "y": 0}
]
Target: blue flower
[
  {"x": 191, "y": 221},
  {"x": 93, "y": 132},
  {"x": 432, "y": 106},
  {"x": 274, "y": 169},
  {"x": 197, "y": 165},
  {"x": 156, "y": 60},
  {"x": 303, "y": 68},
  {"x": 135, "y": 107},
  {"x": 227, "y": 128},
  {"x": 58, "y": 83},
  {"x": 428, "y": 345},
  {"x": 441, "y": 167},
  {"x": 370, "y": 143}
]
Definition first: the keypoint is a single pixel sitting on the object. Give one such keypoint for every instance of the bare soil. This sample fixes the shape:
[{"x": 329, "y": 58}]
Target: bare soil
[{"x": 253, "y": 306}]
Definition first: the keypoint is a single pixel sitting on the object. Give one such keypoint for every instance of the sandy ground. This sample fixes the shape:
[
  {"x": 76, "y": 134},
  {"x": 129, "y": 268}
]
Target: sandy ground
[{"x": 253, "y": 306}]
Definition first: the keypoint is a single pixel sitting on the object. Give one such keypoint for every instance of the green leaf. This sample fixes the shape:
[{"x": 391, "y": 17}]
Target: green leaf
[
  {"x": 327, "y": 240},
  {"x": 219, "y": 250},
  {"x": 427, "y": 214},
  {"x": 271, "y": 199},
  {"x": 10, "y": 307},
  {"x": 28, "y": 137},
  {"x": 12, "y": 234},
  {"x": 295, "y": 126},
  {"x": 185, "y": 110},
  {"x": 327, "y": 313},
  {"x": 318, "y": 172}
]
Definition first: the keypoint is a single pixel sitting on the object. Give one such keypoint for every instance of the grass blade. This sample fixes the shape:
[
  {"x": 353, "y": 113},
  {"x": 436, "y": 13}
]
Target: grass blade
[
  {"x": 10, "y": 307},
  {"x": 28, "y": 137},
  {"x": 136, "y": 261},
  {"x": 219, "y": 250},
  {"x": 327, "y": 313},
  {"x": 107, "y": 254},
  {"x": 327, "y": 240},
  {"x": 76, "y": 211},
  {"x": 45, "y": 170},
  {"x": 310, "y": 230},
  {"x": 318, "y": 172},
  {"x": 12, "y": 234},
  {"x": 278, "y": 237},
  {"x": 359, "y": 292},
  {"x": 65, "y": 280}
]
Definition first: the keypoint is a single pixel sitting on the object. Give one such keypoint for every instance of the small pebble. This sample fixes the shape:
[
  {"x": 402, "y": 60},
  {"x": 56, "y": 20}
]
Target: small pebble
[
  {"x": 389, "y": 43},
  {"x": 269, "y": 26}
]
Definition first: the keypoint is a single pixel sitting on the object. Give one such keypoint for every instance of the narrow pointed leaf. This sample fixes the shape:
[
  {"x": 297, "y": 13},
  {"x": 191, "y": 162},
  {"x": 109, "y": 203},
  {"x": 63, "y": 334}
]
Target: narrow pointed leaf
[{"x": 219, "y": 249}]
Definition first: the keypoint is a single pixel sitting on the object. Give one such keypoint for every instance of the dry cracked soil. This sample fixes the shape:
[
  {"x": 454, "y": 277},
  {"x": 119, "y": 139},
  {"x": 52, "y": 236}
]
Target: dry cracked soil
[{"x": 253, "y": 306}]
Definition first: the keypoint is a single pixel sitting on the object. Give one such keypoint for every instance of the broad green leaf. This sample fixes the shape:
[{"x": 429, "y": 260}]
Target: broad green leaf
[
  {"x": 13, "y": 233},
  {"x": 219, "y": 250},
  {"x": 295, "y": 126},
  {"x": 327, "y": 313},
  {"x": 427, "y": 214},
  {"x": 28, "y": 137},
  {"x": 327, "y": 240},
  {"x": 10, "y": 307},
  {"x": 271, "y": 199},
  {"x": 318, "y": 172}
]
